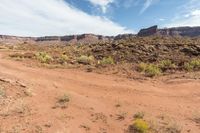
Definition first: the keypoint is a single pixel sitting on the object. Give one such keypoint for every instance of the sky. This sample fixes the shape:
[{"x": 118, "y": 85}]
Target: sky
[{"x": 105, "y": 17}]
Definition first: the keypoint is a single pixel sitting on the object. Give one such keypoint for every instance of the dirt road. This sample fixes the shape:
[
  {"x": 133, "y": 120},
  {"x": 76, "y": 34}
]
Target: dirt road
[{"x": 98, "y": 103}]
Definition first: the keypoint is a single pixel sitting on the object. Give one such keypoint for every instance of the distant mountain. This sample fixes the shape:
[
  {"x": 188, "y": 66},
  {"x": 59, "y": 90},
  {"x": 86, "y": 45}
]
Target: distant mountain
[{"x": 176, "y": 31}]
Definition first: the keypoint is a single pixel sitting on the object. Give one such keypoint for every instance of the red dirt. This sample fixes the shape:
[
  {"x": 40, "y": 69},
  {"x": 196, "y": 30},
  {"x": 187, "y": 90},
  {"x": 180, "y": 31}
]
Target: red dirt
[{"x": 96, "y": 101}]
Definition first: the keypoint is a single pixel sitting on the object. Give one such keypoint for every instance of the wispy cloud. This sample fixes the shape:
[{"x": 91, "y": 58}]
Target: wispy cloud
[
  {"x": 51, "y": 17},
  {"x": 187, "y": 15},
  {"x": 147, "y": 4},
  {"x": 103, "y": 4}
]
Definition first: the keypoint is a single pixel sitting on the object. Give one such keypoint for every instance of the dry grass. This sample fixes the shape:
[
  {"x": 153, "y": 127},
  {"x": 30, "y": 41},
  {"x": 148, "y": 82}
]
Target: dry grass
[
  {"x": 62, "y": 101},
  {"x": 196, "y": 118},
  {"x": 139, "y": 115},
  {"x": 2, "y": 92}
]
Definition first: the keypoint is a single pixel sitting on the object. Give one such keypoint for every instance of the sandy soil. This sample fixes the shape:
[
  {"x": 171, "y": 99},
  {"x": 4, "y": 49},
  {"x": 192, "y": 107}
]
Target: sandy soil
[{"x": 98, "y": 103}]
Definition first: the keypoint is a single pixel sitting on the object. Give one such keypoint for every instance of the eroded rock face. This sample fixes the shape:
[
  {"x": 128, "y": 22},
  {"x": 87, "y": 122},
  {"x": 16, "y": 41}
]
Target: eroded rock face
[
  {"x": 124, "y": 36},
  {"x": 181, "y": 31},
  {"x": 177, "y": 31},
  {"x": 149, "y": 31},
  {"x": 84, "y": 38},
  {"x": 6, "y": 39}
]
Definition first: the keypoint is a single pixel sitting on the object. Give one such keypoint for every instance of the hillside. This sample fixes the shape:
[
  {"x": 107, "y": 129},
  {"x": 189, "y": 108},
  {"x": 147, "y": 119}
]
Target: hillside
[
  {"x": 122, "y": 85},
  {"x": 106, "y": 87}
]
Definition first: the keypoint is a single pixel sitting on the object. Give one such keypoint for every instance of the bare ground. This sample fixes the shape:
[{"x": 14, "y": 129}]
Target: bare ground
[{"x": 98, "y": 103}]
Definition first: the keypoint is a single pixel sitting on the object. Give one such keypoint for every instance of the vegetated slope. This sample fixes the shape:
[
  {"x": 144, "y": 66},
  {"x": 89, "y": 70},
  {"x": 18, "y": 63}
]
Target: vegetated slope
[
  {"x": 149, "y": 49},
  {"x": 158, "y": 53},
  {"x": 67, "y": 100}
]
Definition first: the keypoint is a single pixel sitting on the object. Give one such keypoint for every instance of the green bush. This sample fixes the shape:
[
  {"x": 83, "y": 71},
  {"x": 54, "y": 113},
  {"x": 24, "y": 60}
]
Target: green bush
[
  {"x": 150, "y": 70},
  {"x": 142, "y": 67},
  {"x": 166, "y": 64},
  {"x": 107, "y": 61},
  {"x": 43, "y": 57},
  {"x": 83, "y": 59},
  {"x": 63, "y": 59},
  {"x": 192, "y": 65},
  {"x": 140, "y": 126},
  {"x": 188, "y": 67}
]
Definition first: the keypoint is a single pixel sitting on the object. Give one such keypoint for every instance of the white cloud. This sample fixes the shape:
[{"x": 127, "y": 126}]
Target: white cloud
[
  {"x": 102, "y": 3},
  {"x": 195, "y": 12},
  {"x": 161, "y": 19},
  {"x": 188, "y": 15},
  {"x": 51, "y": 17}
]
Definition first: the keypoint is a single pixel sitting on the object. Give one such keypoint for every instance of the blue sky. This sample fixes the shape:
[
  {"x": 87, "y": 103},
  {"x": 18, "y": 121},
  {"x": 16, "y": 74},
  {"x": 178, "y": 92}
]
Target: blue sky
[{"x": 106, "y": 17}]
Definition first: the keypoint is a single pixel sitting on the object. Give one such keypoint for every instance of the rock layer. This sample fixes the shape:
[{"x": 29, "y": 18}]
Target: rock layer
[
  {"x": 91, "y": 38},
  {"x": 176, "y": 31}
]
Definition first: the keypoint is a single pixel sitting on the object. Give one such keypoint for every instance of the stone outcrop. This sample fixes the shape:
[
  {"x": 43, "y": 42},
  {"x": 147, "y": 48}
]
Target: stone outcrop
[
  {"x": 124, "y": 36},
  {"x": 48, "y": 38},
  {"x": 6, "y": 39},
  {"x": 149, "y": 31},
  {"x": 180, "y": 31},
  {"x": 176, "y": 31},
  {"x": 84, "y": 38}
]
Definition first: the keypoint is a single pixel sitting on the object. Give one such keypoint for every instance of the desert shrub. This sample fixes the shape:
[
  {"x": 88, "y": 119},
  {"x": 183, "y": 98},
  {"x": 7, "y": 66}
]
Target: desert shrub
[
  {"x": 2, "y": 92},
  {"x": 173, "y": 128},
  {"x": 22, "y": 55},
  {"x": 196, "y": 118},
  {"x": 166, "y": 64},
  {"x": 63, "y": 59},
  {"x": 43, "y": 57},
  {"x": 20, "y": 107},
  {"x": 142, "y": 67},
  {"x": 150, "y": 70},
  {"x": 188, "y": 67},
  {"x": 83, "y": 59},
  {"x": 139, "y": 115},
  {"x": 107, "y": 61},
  {"x": 121, "y": 116},
  {"x": 64, "y": 99},
  {"x": 139, "y": 126},
  {"x": 16, "y": 55},
  {"x": 168, "y": 127},
  {"x": 192, "y": 65}
]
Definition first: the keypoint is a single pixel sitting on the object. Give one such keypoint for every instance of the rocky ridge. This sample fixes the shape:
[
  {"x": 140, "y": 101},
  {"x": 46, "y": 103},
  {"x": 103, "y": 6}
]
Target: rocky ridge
[
  {"x": 175, "y": 31},
  {"x": 92, "y": 38}
]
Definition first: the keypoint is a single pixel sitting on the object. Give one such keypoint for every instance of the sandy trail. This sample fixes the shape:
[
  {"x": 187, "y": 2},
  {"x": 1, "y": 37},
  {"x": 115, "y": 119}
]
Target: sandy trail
[{"x": 93, "y": 99}]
